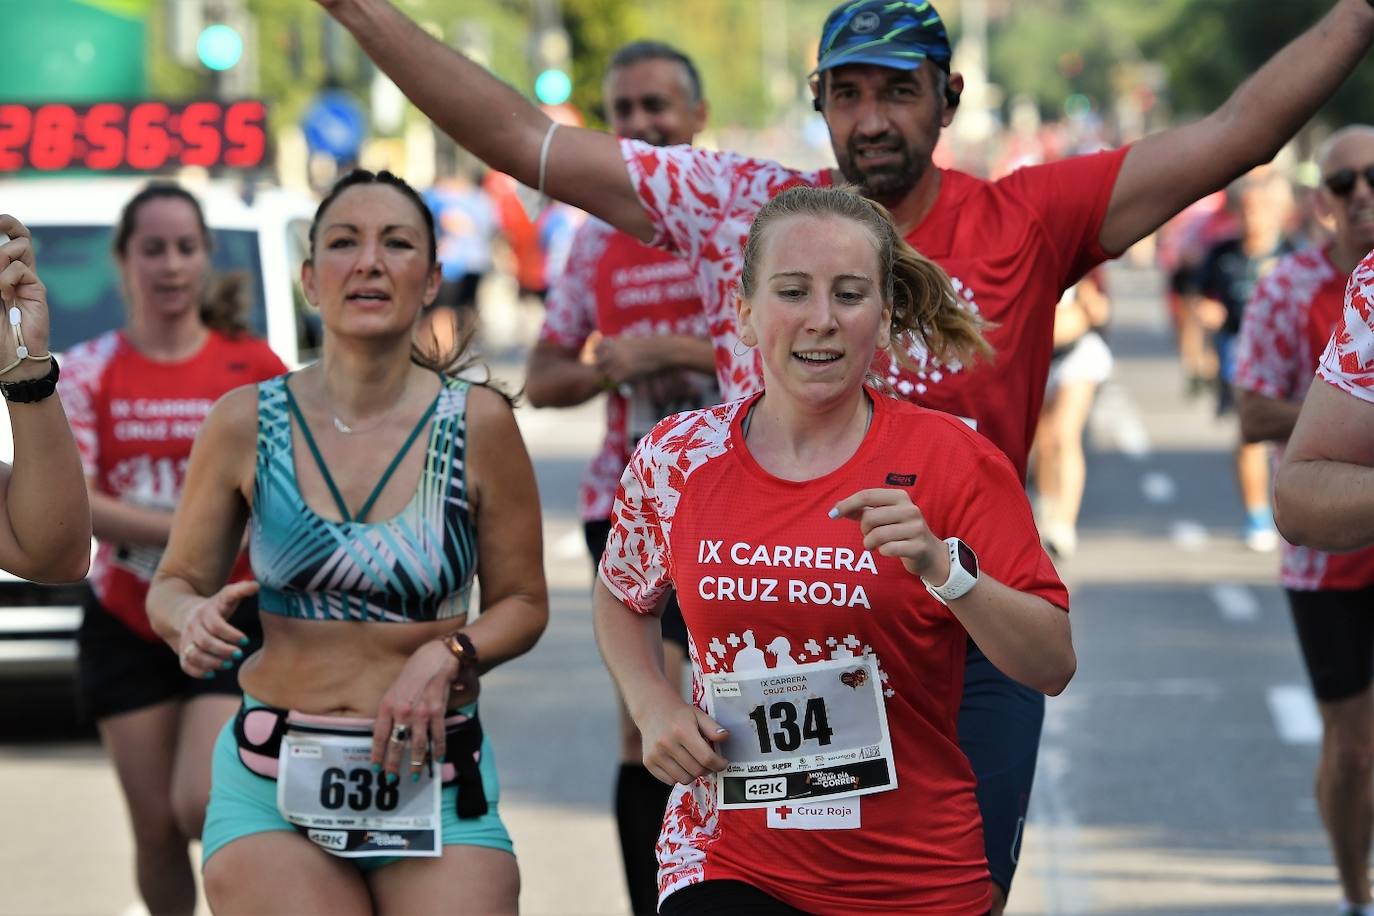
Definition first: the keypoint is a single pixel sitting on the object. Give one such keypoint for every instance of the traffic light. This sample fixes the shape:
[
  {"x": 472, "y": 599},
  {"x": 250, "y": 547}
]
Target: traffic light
[
  {"x": 552, "y": 86},
  {"x": 219, "y": 36},
  {"x": 219, "y": 47},
  {"x": 552, "y": 65}
]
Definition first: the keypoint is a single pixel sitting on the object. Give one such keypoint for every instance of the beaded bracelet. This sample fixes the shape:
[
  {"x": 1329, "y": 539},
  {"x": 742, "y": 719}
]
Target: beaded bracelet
[{"x": 21, "y": 351}]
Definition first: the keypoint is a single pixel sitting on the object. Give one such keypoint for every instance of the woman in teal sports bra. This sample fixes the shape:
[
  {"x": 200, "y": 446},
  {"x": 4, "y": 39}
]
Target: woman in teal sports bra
[{"x": 356, "y": 777}]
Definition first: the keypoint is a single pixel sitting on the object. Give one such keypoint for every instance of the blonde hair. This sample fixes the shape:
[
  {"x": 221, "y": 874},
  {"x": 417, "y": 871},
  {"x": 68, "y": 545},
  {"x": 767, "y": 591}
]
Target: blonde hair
[{"x": 925, "y": 308}]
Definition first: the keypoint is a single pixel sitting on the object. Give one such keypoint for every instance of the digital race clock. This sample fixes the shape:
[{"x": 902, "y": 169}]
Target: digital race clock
[{"x": 132, "y": 136}]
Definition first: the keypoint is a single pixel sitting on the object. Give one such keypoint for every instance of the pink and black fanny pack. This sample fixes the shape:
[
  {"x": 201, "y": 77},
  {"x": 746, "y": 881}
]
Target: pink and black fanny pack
[{"x": 258, "y": 732}]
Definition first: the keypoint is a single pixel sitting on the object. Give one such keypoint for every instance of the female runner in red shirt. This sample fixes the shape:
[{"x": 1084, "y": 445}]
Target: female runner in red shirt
[
  {"x": 136, "y": 398},
  {"x": 819, "y": 770}
]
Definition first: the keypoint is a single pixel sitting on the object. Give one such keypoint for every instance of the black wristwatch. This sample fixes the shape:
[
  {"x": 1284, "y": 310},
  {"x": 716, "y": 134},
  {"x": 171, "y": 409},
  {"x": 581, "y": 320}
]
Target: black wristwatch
[{"x": 30, "y": 390}]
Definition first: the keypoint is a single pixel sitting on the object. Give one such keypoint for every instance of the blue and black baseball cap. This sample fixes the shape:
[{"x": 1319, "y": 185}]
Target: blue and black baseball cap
[{"x": 886, "y": 33}]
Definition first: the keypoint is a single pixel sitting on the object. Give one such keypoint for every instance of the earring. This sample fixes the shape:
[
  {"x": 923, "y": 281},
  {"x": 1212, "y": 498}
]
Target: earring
[{"x": 736, "y": 348}]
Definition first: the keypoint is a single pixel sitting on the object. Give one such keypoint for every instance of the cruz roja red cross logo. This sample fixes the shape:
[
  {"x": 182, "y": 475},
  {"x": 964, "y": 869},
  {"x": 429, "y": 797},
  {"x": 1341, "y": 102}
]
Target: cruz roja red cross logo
[{"x": 783, "y": 811}]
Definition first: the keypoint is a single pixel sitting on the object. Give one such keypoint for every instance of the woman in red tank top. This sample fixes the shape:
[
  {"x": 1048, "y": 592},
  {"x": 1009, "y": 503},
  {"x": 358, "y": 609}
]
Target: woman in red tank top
[{"x": 136, "y": 398}]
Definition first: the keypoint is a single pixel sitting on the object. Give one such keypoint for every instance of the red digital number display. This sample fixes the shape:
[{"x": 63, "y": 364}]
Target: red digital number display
[{"x": 132, "y": 136}]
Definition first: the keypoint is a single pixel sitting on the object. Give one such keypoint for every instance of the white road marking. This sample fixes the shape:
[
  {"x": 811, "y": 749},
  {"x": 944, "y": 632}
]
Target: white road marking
[
  {"x": 1235, "y": 602},
  {"x": 1189, "y": 535},
  {"x": 1295, "y": 714},
  {"x": 1125, "y": 424},
  {"x": 571, "y": 545},
  {"x": 1067, "y": 892},
  {"x": 1158, "y": 487}
]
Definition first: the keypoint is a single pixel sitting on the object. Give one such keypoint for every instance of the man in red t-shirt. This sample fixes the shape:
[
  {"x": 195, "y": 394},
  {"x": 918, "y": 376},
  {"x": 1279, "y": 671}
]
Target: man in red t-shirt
[
  {"x": 653, "y": 359},
  {"x": 886, "y": 89},
  {"x": 1285, "y": 328}
]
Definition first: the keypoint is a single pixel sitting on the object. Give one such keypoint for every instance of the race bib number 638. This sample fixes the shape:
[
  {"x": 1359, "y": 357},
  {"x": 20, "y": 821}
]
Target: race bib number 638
[
  {"x": 326, "y": 787},
  {"x": 804, "y": 732}
]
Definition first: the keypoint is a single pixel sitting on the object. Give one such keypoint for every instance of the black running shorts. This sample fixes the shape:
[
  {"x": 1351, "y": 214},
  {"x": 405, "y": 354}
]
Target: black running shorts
[
  {"x": 119, "y": 671},
  {"x": 1336, "y": 632}
]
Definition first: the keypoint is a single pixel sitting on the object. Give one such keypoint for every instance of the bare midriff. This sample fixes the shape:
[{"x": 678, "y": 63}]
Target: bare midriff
[{"x": 335, "y": 667}]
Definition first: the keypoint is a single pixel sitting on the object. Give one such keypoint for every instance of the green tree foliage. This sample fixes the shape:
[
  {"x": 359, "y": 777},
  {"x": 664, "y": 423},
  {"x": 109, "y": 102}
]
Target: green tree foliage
[
  {"x": 754, "y": 54},
  {"x": 597, "y": 28},
  {"x": 741, "y": 72},
  {"x": 1206, "y": 49},
  {"x": 1050, "y": 49},
  {"x": 1215, "y": 44}
]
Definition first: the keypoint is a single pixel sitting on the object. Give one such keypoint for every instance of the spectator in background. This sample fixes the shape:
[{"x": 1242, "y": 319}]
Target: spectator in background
[
  {"x": 466, "y": 223},
  {"x": 642, "y": 305},
  {"x": 1080, "y": 363},
  {"x": 538, "y": 229},
  {"x": 1261, "y": 203},
  {"x": 1324, "y": 488},
  {"x": 1286, "y": 327},
  {"x": 137, "y": 397},
  {"x": 519, "y": 233},
  {"x": 1183, "y": 244}
]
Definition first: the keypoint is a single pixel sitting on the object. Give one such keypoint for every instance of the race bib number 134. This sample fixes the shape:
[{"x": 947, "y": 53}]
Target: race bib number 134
[{"x": 804, "y": 732}]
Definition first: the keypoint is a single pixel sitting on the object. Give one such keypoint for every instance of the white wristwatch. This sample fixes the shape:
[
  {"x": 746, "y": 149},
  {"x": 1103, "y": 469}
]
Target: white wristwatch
[{"x": 963, "y": 573}]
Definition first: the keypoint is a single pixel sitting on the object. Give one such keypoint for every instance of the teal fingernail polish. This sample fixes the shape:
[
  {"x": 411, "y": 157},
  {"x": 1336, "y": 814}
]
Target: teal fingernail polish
[
  {"x": 227, "y": 665},
  {"x": 238, "y": 653},
  {"x": 392, "y": 779},
  {"x": 414, "y": 777},
  {"x": 376, "y": 767},
  {"x": 207, "y": 675},
  {"x": 243, "y": 640}
]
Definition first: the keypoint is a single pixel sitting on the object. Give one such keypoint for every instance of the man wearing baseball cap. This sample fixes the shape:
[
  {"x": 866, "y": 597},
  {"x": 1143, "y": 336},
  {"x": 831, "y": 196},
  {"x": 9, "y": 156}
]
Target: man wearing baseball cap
[{"x": 884, "y": 84}]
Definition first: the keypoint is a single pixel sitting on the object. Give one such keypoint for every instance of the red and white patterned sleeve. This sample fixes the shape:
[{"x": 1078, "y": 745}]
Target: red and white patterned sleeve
[
  {"x": 1270, "y": 345},
  {"x": 570, "y": 309},
  {"x": 635, "y": 565},
  {"x": 1348, "y": 362},
  {"x": 83, "y": 366},
  {"x": 689, "y": 193}
]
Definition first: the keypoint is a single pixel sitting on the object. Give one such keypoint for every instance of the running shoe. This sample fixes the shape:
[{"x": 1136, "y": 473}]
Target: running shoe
[
  {"x": 1260, "y": 534},
  {"x": 1060, "y": 539}
]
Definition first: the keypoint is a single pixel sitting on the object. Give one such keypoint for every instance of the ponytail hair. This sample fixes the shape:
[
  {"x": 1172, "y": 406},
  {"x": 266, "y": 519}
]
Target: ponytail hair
[
  {"x": 225, "y": 306},
  {"x": 224, "y": 303},
  {"x": 928, "y": 320}
]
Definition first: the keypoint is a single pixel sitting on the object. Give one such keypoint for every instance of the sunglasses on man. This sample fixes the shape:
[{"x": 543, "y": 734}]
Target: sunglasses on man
[{"x": 1342, "y": 182}]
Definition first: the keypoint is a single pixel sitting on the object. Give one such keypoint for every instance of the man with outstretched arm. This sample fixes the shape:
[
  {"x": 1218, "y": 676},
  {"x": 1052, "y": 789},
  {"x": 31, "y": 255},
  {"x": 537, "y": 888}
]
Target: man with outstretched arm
[
  {"x": 652, "y": 359},
  {"x": 886, "y": 89}
]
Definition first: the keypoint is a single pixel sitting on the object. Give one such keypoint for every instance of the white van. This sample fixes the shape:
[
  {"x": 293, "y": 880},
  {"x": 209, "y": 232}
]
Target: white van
[{"x": 266, "y": 236}]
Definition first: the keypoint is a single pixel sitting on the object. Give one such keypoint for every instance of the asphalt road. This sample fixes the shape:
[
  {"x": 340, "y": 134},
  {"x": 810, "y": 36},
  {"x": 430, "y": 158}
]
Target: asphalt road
[{"x": 1175, "y": 773}]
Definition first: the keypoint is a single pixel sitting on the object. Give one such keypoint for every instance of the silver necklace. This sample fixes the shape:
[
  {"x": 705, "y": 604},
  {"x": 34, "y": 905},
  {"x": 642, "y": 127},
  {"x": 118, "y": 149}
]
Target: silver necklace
[{"x": 349, "y": 430}]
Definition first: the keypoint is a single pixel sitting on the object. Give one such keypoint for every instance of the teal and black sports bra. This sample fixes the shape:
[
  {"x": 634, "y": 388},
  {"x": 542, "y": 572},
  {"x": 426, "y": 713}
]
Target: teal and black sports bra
[{"x": 417, "y": 566}]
